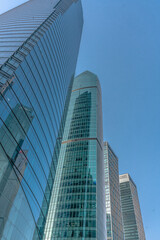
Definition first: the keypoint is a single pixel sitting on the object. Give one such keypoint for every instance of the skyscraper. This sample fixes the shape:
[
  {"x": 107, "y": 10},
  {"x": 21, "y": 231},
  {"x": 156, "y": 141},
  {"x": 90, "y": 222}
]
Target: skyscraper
[
  {"x": 39, "y": 44},
  {"x": 77, "y": 207},
  {"x": 113, "y": 205},
  {"x": 132, "y": 219}
]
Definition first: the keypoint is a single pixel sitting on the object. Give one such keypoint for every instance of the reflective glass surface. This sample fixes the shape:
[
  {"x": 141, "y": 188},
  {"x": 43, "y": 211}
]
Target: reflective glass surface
[
  {"x": 34, "y": 85},
  {"x": 77, "y": 207}
]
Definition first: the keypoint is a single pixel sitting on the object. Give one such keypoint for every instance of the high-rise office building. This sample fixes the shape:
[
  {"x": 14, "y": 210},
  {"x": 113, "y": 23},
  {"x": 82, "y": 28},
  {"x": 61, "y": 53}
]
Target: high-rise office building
[
  {"x": 132, "y": 219},
  {"x": 39, "y": 44},
  {"x": 77, "y": 207},
  {"x": 113, "y": 206}
]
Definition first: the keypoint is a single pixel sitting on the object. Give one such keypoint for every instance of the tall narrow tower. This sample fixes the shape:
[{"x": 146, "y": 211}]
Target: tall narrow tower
[
  {"x": 113, "y": 205},
  {"x": 39, "y": 44},
  {"x": 77, "y": 208},
  {"x": 132, "y": 219}
]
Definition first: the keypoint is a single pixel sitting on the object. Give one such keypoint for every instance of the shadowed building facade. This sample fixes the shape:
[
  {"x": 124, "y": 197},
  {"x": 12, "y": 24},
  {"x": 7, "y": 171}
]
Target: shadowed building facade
[
  {"x": 39, "y": 44},
  {"x": 77, "y": 207},
  {"x": 131, "y": 213},
  {"x": 113, "y": 204}
]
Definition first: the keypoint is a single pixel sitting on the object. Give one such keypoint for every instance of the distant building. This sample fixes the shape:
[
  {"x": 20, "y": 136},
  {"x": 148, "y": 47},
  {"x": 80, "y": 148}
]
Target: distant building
[
  {"x": 77, "y": 207},
  {"x": 132, "y": 219},
  {"x": 113, "y": 207}
]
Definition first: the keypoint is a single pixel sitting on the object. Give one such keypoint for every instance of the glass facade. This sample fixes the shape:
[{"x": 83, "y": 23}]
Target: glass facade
[
  {"x": 132, "y": 219},
  {"x": 113, "y": 205},
  {"x": 77, "y": 207},
  {"x": 34, "y": 82},
  {"x": 18, "y": 24}
]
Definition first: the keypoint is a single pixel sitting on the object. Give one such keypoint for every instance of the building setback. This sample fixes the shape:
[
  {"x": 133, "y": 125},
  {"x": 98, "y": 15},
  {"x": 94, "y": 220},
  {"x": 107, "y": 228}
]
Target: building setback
[
  {"x": 132, "y": 219},
  {"x": 77, "y": 207},
  {"x": 113, "y": 205},
  {"x": 39, "y": 44}
]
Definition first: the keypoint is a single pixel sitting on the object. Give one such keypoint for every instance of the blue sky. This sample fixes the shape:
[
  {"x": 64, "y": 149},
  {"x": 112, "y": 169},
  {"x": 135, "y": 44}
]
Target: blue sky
[
  {"x": 9, "y": 4},
  {"x": 121, "y": 44}
]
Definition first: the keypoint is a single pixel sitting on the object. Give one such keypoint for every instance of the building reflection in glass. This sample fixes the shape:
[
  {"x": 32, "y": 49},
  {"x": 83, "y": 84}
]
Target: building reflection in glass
[{"x": 13, "y": 159}]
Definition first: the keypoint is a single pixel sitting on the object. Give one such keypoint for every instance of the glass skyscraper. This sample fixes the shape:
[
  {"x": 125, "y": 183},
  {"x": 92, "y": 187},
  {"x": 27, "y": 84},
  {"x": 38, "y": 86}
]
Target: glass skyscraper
[
  {"x": 77, "y": 207},
  {"x": 132, "y": 219},
  {"x": 113, "y": 205},
  {"x": 39, "y": 44}
]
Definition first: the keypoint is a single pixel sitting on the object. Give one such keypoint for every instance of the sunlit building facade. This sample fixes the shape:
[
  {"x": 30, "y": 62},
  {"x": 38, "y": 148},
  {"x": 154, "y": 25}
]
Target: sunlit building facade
[
  {"x": 132, "y": 219},
  {"x": 77, "y": 207},
  {"x": 113, "y": 206},
  {"x": 39, "y": 44}
]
